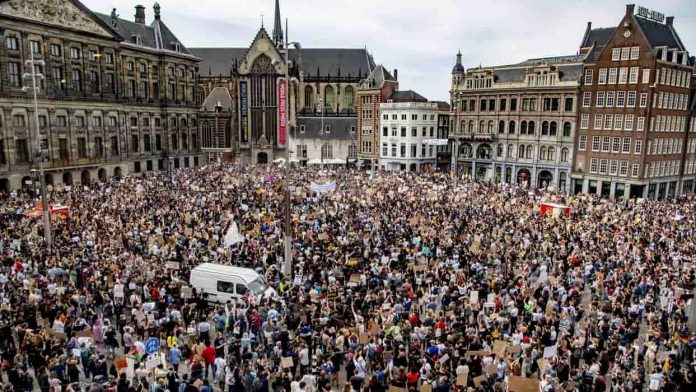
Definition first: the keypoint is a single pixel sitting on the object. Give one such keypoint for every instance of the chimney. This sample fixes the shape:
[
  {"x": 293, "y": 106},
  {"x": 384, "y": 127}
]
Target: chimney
[
  {"x": 396, "y": 74},
  {"x": 140, "y": 14},
  {"x": 630, "y": 8},
  {"x": 669, "y": 21}
]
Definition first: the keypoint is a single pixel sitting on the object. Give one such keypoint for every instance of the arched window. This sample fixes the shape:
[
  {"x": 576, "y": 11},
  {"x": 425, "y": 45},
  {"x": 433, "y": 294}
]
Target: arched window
[
  {"x": 542, "y": 153},
  {"x": 308, "y": 97},
  {"x": 500, "y": 150},
  {"x": 565, "y": 153},
  {"x": 206, "y": 134},
  {"x": 567, "y": 129},
  {"x": 562, "y": 181},
  {"x": 520, "y": 152},
  {"x": 510, "y": 150},
  {"x": 545, "y": 128},
  {"x": 530, "y": 152},
  {"x": 501, "y": 126},
  {"x": 349, "y": 97},
  {"x": 523, "y": 128},
  {"x": 553, "y": 129},
  {"x": 482, "y": 127},
  {"x": 471, "y": 126},
  {"x": 552, "y": 154},
  {"x": 329, "y": 98},
  {"x": 511, "y": 128},
  {"x": 530, "y": 129},
  {"x": 491, "y": 127}
]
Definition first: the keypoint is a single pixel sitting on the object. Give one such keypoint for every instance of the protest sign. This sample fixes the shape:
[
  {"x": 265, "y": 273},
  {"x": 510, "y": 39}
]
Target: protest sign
[{"x": 522, "y": 384}]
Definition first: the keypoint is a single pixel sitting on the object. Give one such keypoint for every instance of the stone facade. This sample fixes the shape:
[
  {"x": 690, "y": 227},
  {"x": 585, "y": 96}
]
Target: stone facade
[{"x": 111, "y": 102}]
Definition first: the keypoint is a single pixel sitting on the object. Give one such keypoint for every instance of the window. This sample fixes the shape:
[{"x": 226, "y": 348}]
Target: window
[
  {"x": 612, "y": 75},
  {"x": 631, "y": 99},
  {"x": 640, "y": 124},
  {"x": 135, "y": 143},
  {"x": 638, "y": 147},
  {"x": 643, "y": 100},
  {"x": 3, "y": 158},
  {"x": 112, "y": 121},
  {"x": 603, "y": 165},
  {"x": 501, "y": 126},
  {"x": 511, "y": 128},
  {"x": 110, "y": 85},
  {"x": 503, "y": 104},
  {"x": 385, "y": 149},
  {"x": 633, "y": 78},
  {"x": 623, "y": 75},
  {"x": 646, "y": 75},
  {"x": 635, "y": 169},
  {"x": 600, "y": 99},
  {"x": 620, "y": 99},
  {"x": 81, "y": 147},
  {"x": 618, "y": 122},
  {"x": 623, "y": 169},
  {"x": 598, "y": 121},
  {"x": 385, "y": 130},
  {"x": 12, "y": 43},
  {"x": 626, "y": 148},
  {"x": 513, "y": 104},
  {"x": 18, "y": 120},
  {"x": 393, "y": 149},
  {"x": 586, "y": 99},
  {"x": 582, "y": 143},
  {"x": 158, "y": 142},
  {"x": 616, "y": 144},
  {"x": 175, "y": 142},
  {"x": 61, "y": 121},
  {"x": 108, "y": 58},
  {"x": 14, "y": 74},
  {"x": 79, "y": 121},
  {"x": 613, "y": 166},
  {"x": 593, "y": 165},
  {"x": 63, "y": 152},
  {"x": 402, "y": 150},
  {"x": 403, "y": 131},
  {"x": 616, "y": 54},
  {"x": 606, "y": 143},
  {"x": 22, "y": 150},
  {"x": 134, "y": 121},
  {"x": 56, "y": 50},
  {"x": 625, "y": 53},
  {"x": 43, "y": 122},
  {"x": 588, "y": 76},
  {"x": 569, "y": 104},
  {"x": 628, "y": 124},
  {"x": 35, "y": 47},
  {"x": 610, "y": 99},
  {"x": 595, "y": 143},
  {"x": 635, "y": 50},
  {"x": 77, "y": 80},
  {"x": 602, "y": 78},
  {"x": 585, "y": 121},
  {"x": 608, "y": 121},
  {"x": 75, "y": 53}
]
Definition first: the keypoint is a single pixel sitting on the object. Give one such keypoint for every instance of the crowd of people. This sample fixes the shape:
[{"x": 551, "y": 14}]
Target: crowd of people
[{"x": 400, "y": 282}]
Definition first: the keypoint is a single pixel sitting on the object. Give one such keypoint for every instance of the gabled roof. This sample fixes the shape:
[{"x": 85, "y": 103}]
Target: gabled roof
[
  {"x": 660, "y": 34},
  {"x": 406, "y": 96},
  {"x": 600, "y": 37},
  {"x": 155, "y": 36},
  {"x": 327, "y": 61},
  {"x": 340, "y": 128},
  {"x": 219, "y": 95},
  {"x": 376, "y": 78}
]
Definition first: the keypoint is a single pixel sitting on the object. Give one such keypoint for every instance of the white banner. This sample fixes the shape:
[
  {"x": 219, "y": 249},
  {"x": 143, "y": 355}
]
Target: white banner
[
  {"x": 233, "y": 236},
  {"x": 323, "y": 188},
  {"x": 436, "y": 142}
]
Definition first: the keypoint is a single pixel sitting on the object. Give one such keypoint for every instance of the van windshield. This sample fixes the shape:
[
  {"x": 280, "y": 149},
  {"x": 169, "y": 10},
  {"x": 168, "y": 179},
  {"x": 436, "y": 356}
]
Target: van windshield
[{"x": 257, "y": 286}]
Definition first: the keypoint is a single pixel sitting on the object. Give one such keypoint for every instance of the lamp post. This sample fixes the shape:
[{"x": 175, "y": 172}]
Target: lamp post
[
  {"x": 455, "y": 148},
  {"x": 321, "y": 133},
  {"x": 170, "y": 160},
  {"x": 34, "y": 75}
]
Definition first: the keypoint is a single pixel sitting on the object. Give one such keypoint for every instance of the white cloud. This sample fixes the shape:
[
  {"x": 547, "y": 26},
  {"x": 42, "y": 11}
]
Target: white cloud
[{"x": 420, "y": 38}]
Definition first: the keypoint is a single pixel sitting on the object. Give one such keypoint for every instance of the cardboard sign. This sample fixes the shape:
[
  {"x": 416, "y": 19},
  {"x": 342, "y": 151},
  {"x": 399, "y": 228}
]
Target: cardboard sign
[
  {"x": 186, "y": 292},
  {"x": 364, "y": 338},
  {"x": 354, "y": 279},
  {"x": 120, "y": 363},
  {"x": 387, "y": 355},
  {"x": 425, "y": 387},
  {"x": 477, "y": 353},
  {"x": 492, "y": 369},
  {"x": 286, "y": 362},
  {"x": 515, "y": 349},
  {"x": 173, "y": 265},
  {"x": 374, "y": 329},
  {"x": 152, "y": 362},
  {"x": 396, "y": 389},
  {"x": 478, "y": 380},
  {"x": 462, "y": 379},
  {"x": 118, "y": 291},
  {"x": 444, "y": 359},
  {"x": 84, "y": 334},
  {"x": 323, "y": 237},
  {"x": 551, "y": 351},
  {"x": 499, "y": 348},
  {"x": 522, "y": 384}
]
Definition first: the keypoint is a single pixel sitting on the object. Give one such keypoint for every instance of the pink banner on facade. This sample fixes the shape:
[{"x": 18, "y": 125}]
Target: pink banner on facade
[{"x": 282, "y": 114}]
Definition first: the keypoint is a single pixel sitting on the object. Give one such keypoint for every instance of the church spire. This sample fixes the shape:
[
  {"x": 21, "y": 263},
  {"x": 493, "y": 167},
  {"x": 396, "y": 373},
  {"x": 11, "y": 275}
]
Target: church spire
[{"x": 277, "y": 26}]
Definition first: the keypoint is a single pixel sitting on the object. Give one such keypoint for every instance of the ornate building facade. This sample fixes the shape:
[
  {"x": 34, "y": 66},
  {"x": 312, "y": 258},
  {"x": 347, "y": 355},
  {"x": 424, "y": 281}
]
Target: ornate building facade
[
  {"x": 323, "y": 82},
  {"x": 635, "y": 103},
  {"x": 117, "y": 96},
  {"x": 516, "y": 123}
]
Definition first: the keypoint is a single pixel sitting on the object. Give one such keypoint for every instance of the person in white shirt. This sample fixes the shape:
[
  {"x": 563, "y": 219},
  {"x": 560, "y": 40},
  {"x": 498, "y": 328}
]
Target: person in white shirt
[{"x": 303, "y": 357}]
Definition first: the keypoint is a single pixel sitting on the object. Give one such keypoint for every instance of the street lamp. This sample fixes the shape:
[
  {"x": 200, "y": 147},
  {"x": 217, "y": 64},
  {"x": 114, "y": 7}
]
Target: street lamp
[{"x": 39, "y": 158}]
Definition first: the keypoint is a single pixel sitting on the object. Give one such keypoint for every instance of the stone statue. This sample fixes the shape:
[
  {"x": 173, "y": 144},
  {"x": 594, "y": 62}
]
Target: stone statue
[
  {"x": 157, "y": 10},
  {"x": 114, "y": 17}
]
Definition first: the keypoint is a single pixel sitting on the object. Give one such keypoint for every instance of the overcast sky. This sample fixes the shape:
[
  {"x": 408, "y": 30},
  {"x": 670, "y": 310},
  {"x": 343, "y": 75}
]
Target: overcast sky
[{"x": 420, "y": 38}]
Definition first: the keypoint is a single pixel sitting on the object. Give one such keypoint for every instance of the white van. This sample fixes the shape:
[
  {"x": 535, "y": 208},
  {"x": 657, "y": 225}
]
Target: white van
[{"x": 224, "y": 282}]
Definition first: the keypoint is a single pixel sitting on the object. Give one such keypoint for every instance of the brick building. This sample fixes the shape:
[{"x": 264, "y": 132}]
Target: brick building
[
  {"x": 634, "y": 102},
  {"x": 117, "y": 97},
  {"x": 372, "y": 91}
]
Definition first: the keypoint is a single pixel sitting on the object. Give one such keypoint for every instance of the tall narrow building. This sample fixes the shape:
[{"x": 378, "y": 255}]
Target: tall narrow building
[
  {"x": 633, "y": 110},
  {"x": 373, "y": 90}
]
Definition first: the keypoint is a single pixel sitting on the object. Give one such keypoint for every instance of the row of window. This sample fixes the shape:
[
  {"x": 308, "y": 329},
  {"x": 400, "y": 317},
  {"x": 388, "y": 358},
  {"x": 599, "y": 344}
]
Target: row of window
[
  {"x": 691, "y": 147},
  {"x": 611, "y": 144},
  {"x": 613, "y": 167},
  {"x": 662, "y": 123},
  {"x": 549, "y": 104},
  {"x": 665, "y": 146},
  {"x": 426, "y": 151},
  {"x": 625, "y": 53},
  {"x": 414, "y": 117},
  {"x": 366, "y": 147},
  {"x": 548, "y": 128},
  {"x": 671, "y": 101},
  {"x": 19, "y": 121},
  {"x": 622, "y": 75},
  {"x": 690, "y": 166},
  {"x": 479, "y": 82},
  {"x": 663, "y": 168},
  {"x": 414, "y": 132},
  {"x": 619, "y": 99},
  {"x": 616, "y": 122},
  {"x": 546, "y": 153},
  {"x": 674, "y": 77}
]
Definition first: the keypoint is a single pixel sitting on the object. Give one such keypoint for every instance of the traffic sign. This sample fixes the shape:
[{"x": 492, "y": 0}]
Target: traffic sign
[{"x": 151, "y": 346}]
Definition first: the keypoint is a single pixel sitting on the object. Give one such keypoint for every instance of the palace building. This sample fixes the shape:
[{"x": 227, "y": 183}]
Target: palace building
[
  {"x": 239, "y": 94},
  {"x": 116, "y": 96}
]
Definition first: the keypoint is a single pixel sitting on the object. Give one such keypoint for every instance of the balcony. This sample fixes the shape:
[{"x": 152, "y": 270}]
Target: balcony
[
  {"x": 483, "y": 136},
  {"x": 62, "y": 163}
]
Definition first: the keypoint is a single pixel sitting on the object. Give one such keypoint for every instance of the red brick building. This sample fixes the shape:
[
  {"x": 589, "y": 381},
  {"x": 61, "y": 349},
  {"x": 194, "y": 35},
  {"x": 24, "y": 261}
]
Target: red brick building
[
  {"x": 375, "y": 89},
  {"x": 634, "y": 105}
]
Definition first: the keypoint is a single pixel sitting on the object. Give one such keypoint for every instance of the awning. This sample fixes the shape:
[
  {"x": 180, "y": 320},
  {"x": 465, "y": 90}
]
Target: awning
[{"x": 333, "y": 161}]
